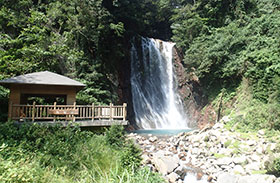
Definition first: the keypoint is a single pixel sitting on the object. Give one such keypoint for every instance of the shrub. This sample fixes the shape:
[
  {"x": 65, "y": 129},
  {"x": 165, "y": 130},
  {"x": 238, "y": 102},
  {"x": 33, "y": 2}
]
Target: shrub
[
  {"x": 131, "y": 156},
  {"x": 129, "y": 153},
  {"x": 115, "y": 136},
  {"x": 273, "y": 166},
  {"x": 34, "y": 153}
]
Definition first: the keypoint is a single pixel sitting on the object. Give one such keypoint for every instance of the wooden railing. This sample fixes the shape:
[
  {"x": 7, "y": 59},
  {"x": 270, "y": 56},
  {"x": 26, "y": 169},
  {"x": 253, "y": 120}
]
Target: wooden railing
[{"x": 67, "y": 112}]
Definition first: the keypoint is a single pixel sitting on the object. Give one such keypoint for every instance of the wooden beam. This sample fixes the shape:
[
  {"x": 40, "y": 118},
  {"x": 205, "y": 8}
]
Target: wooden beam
[
  {"x": 124, "y": 111},
  {"x": 54, "y": 107},
  {"x": 74, "y": 105},
  {"x": 63, "y": 111},
  {"x": 92, "y": 115},
  {"x": 111, "y": 111},
  {"x": 33, "y": 111}
]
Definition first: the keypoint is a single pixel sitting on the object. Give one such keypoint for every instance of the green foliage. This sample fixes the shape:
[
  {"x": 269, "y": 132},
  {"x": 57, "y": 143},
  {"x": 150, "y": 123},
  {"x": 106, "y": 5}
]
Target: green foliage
[
  {"x": 273, "y": 167},
  {"x": 145, "y": 175},
  {"x": 259, "y": 116},
  {"x": 131, "y": 156},
  {"x": 245, "y": 112},
  {"x": 192, "y": 19},
  {"x": 70, "y": 38},
  {"x": 115, "y": 136},
  {"x": 22, "y": 171},
  {"x": 34, "y": 153},
  {"x": 277, "y": 166},
  {"x": 228, "y": 40},
  {"x": 143, "y": 17},
  {"x": 4, "y": 94}
]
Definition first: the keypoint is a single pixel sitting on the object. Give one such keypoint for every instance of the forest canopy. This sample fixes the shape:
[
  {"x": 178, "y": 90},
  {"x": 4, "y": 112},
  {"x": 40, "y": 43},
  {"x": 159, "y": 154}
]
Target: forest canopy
[{"x": 222, "y": 41}]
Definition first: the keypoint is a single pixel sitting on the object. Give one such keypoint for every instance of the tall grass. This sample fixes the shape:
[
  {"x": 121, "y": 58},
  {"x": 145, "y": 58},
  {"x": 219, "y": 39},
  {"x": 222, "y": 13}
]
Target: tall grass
[{"x": 33, "y": 153}]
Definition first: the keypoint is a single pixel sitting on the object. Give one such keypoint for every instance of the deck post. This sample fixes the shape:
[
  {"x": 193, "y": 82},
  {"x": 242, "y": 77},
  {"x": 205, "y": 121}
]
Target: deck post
[
  {"x": 74, "y": 105},
  {"x": 92, "y": 114},
  {"x": 98, "y": 112},
  {"x": 54, "y": 107},
  {"x": 33, "y": 111},
  {"x": 111, "y": 111},
  {"x": 124, "y": 111},
  {"x": 10, "y": 111}
]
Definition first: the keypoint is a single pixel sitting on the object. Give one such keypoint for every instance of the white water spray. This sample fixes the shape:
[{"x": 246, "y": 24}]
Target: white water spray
[{"x": 156, "y": 103}]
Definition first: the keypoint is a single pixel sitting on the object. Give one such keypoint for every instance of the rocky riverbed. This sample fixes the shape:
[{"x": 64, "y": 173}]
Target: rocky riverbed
[{"x": 213, "y": 154}]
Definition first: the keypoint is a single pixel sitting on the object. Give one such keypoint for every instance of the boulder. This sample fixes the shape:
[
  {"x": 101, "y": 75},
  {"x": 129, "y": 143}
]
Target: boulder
[
  {"x": 218, "y": 125},
  {"x": 153, "y": 139},
  {"x": 277, "y": 180},
  {"x": 251, "y": 142},
  {"x": 256, "y": 158},
  {"x": 257, "y": 178},
  {"x": 260, "y": 150},
  {"x": 172, "y": 177},
  {"x": 165, "y": 164},
  {"x": 238, "y": 169},
  {"x": 252, "y": 167},
  {"x": 227, "y": 178},
  {"x": 193, "y": 177},
  {"x": 240, "y": 160},
  {"x": 145, "y": 159},
  {"x": 225, "y": 119},
  {"x": 273, "y": 146},
  {"x": 224, "y": 161},
  {"x": 261, "y": 132}
]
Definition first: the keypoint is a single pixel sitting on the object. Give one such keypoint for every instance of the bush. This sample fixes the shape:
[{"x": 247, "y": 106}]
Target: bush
[
  {"x": 34, "y": 153},
  {"x": 131, "y": 156},
  {"x": 258, "y": 115},
  {"x": 273, "y": 166},
  {"x": 115, "y": 136},
  {"x": 277, "y": 166}
]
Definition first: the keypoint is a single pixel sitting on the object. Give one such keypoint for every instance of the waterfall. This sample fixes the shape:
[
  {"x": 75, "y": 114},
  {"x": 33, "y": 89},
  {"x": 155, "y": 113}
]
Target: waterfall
[{"x": 156, "y": 103}]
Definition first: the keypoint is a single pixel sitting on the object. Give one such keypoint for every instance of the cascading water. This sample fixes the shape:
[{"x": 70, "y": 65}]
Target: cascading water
[{"x": 155, "y": 100}]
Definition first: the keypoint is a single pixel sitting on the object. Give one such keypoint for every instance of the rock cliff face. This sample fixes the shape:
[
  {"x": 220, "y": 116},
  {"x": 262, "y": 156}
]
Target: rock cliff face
[
  {"x": 124, "y": 87},
  {"x": 189, "y": 89}
]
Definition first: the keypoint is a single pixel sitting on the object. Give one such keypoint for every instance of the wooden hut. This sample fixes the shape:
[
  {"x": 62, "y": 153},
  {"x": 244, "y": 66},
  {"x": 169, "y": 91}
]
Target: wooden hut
[
  {"x": 52, "y": 86},
  {"x": 42, "y": 84}
]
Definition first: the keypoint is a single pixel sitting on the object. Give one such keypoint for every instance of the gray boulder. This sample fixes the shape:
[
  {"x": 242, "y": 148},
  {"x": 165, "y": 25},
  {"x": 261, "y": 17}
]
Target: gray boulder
[{"x": 227, "y": 178}]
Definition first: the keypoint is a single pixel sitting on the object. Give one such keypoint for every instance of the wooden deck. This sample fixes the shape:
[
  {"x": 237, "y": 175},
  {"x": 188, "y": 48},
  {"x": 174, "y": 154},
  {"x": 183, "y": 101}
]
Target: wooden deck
[
  {"x": 95, "y": 123},
  {"x": 82, "y": 115}
]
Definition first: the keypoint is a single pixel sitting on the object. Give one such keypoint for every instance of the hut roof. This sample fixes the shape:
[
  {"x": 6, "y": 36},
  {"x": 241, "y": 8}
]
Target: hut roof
[{"x": 42, "y": 78}]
